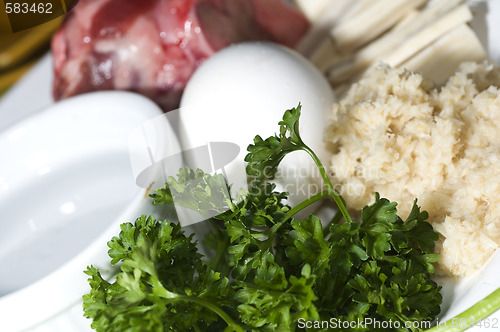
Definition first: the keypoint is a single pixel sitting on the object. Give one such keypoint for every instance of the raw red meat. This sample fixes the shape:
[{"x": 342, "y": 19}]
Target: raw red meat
[{"x": 153, "y": 46}]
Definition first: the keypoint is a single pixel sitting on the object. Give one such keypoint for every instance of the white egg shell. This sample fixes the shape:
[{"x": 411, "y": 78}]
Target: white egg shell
[{"x": 243, "y": 91}]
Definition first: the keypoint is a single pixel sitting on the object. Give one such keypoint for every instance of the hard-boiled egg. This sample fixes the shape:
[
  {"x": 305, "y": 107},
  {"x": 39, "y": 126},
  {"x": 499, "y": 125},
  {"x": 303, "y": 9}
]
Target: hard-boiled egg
[{"x": 243, "y": 91}]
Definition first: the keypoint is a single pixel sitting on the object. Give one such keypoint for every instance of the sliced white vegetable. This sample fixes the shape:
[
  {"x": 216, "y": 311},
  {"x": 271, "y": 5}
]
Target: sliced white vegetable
[
  {"x": 313, "y": 9},
  {"x": 440, "y": 60},
  {"x": 326, "y": 55},
  {"x": 357, "y": 8},
  {"x": 412, "y": 25},
  {"x": 319, "y": 32},
  {"x": 428, "y": 35},
  {"x": 354, "y": 32}
]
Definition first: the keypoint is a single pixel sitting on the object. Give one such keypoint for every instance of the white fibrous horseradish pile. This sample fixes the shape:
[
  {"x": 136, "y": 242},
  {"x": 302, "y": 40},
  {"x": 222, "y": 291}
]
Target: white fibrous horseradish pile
[
  {"x": 418, "y": 116},
  {"x": 395, "y": 134}
]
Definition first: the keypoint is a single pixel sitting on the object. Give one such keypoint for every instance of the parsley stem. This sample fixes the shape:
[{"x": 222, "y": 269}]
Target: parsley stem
[
  {"x": 335, "y": 195},
  {"x": 335, "y": 220},
  {"x": 295, "y": 209},
  {"x": 213, "y": 307},
  {"x": 174, "y": 297},
  {"x": 472, "y": 316},
  {"x": 307, "y": 202},
  {"x": 220, "y": 250}
]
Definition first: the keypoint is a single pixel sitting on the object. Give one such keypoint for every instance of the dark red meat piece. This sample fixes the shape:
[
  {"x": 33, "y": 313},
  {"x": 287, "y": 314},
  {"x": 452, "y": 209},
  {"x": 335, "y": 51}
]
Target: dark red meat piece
[{"x": 153, "y": 46}]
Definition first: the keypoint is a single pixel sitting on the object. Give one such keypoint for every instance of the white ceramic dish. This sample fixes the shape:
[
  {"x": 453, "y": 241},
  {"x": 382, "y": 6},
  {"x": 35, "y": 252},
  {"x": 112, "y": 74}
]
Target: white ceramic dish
[
  {"x": 34, "y": 91},
  {"x": 66, "y": 184}
]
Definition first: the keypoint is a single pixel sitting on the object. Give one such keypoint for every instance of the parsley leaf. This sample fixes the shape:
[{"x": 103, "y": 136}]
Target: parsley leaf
[
  {"x": 195, "y": 190},
  {"x": 265, "y": 155}
]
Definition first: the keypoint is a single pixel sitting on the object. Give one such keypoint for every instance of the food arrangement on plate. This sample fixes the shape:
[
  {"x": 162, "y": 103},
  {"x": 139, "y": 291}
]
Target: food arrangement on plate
[{"x": 363, "y": 190}]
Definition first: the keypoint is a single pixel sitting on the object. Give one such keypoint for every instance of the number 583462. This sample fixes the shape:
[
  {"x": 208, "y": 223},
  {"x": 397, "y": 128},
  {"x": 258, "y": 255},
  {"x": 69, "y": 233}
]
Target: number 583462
[{"x": 26, "y": 8}]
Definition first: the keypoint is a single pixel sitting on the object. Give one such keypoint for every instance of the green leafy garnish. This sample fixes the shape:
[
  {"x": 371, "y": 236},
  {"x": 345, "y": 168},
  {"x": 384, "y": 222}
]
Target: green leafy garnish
[
  {"x": 264, "y": 156},
  {"x": 162, "y": 277},
  {"x": 269, "y": 271}
]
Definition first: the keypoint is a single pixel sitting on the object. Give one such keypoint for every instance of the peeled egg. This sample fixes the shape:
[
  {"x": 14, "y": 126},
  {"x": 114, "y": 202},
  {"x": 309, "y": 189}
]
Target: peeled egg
[{"x": 243, "y": 91}]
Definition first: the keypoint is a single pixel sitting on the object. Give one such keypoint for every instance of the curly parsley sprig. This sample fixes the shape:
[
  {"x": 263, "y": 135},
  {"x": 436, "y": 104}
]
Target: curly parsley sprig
[
  {"x": 264, "y": 157},
  {"x": 162, "y": 276},
  {"x": 269, "y": 270}
]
